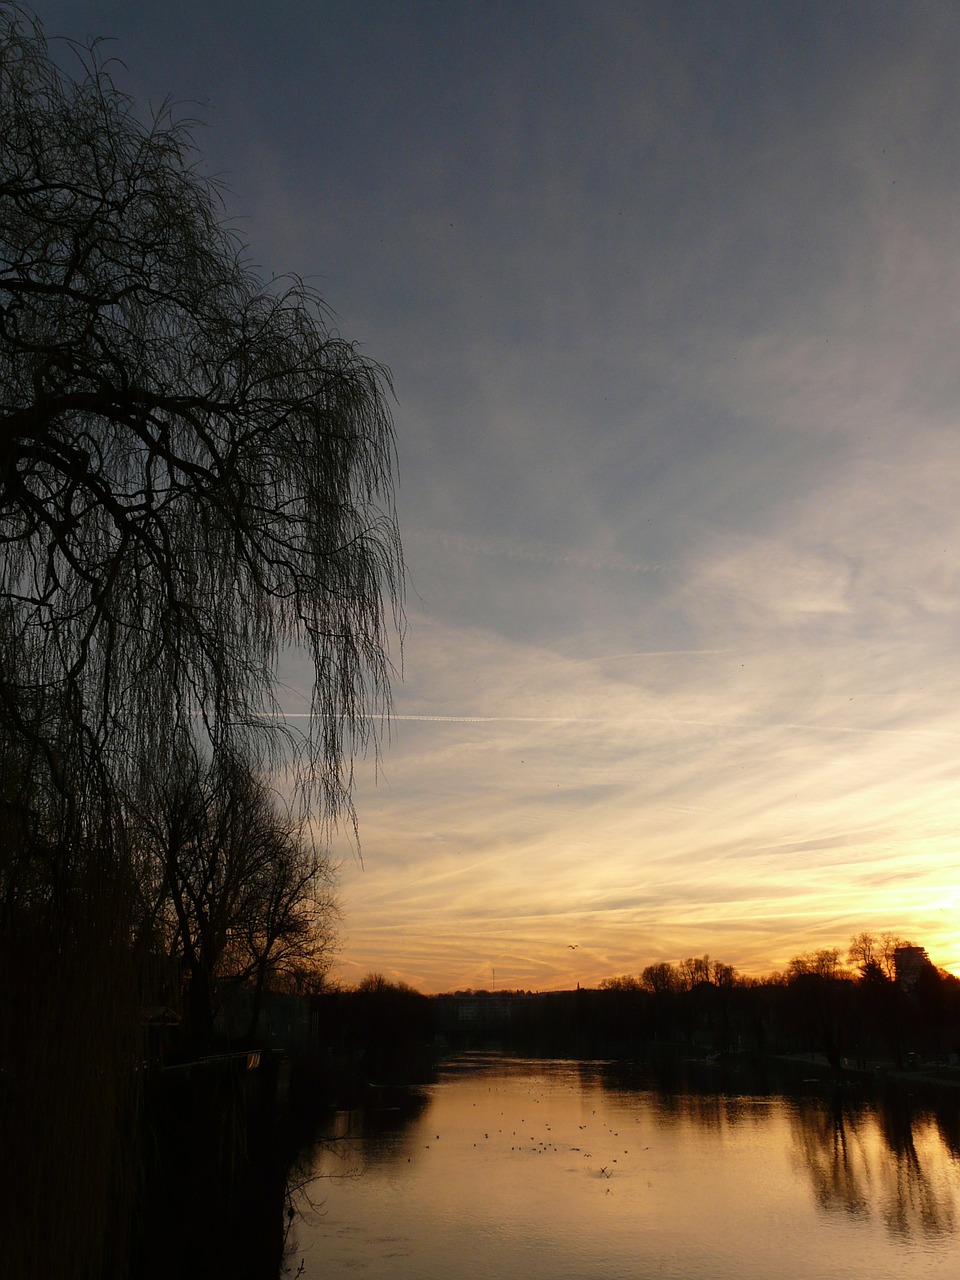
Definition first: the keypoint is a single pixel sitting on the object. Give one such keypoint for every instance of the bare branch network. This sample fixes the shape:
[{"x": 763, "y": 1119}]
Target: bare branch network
[
  {"x": 196, "y": 475},
  {"x": 196, "y": 470}
]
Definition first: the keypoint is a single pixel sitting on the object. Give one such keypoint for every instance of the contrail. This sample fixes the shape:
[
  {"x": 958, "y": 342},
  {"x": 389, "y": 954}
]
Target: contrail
[
  {"x": 306, "y": 715},
  {"x": 731, "y": 726},
  {"x": 507, "y": 719}
]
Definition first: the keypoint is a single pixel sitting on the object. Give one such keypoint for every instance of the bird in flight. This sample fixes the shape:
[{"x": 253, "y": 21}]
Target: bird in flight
[{"x": 573, "y": 945}]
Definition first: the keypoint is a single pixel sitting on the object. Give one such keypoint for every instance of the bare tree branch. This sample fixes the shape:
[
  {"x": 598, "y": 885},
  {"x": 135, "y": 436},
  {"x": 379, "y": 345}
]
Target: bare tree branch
[{"x": 196, "y": 470}]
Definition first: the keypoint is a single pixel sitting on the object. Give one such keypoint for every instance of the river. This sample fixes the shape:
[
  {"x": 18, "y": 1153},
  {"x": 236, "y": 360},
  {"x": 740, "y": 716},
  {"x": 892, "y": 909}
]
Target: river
[{"x": 569, "y": 1170}]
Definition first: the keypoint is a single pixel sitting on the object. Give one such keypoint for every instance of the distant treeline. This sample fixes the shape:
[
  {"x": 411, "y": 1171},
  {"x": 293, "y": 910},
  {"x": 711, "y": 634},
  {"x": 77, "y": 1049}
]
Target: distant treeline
[
  {"x": 869, "y": 956},
  {"x": 881, "y": 1003}
]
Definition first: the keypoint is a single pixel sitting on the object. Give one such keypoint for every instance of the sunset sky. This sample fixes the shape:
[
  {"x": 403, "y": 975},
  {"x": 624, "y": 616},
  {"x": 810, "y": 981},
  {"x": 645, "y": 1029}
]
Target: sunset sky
[{"x": 670, "y": 293}]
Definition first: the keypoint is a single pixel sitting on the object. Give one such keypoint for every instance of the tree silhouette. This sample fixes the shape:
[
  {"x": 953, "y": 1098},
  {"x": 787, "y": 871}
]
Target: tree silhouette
[
  {"x": 195, "y": 469},
  {"x": 233, "y": 888},
  {"x": 196, "y": 476}
]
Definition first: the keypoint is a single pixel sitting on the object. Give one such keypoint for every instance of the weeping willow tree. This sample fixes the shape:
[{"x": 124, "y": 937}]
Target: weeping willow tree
[{"x": 196, "y": 475}]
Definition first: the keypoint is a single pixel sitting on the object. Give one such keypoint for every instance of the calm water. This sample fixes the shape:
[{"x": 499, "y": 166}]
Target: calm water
[{"x": 551, "y": 1170}]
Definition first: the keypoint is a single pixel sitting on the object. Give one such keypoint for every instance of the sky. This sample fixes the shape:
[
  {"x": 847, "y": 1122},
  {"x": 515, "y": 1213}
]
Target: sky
[{"x": 670, "y": 295}]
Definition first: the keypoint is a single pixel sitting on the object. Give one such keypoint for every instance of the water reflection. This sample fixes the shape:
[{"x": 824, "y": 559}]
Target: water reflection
[
  {"x": 384, "y": 1131},
  {"x": 587, "y": 1169},
  {"x": 881, "y": 1159},
  {"x": 888, "y": 1157}
]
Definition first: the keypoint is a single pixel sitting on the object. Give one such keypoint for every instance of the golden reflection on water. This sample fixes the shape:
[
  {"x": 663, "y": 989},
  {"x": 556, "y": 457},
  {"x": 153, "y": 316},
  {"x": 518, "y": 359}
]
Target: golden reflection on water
[
  {"x": 562, "y": 1170},
  {"x": 884, "y": 1162}
]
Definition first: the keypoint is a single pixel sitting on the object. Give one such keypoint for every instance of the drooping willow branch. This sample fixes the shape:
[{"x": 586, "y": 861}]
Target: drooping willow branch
[{"x": 196, "y": 470}]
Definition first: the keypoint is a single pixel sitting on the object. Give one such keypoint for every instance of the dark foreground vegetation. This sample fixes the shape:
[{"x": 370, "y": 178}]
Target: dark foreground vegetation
[
  {"x": 225, "y": 1138},
  {"x": 196, "y": 476}
]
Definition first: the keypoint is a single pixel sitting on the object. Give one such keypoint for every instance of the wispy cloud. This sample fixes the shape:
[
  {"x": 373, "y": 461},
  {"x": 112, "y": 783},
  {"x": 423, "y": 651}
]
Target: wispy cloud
[{"x": 674, "y": 339}]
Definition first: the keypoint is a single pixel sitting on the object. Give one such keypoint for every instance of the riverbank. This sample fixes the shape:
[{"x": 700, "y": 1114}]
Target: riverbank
[{"x": 923, "y": 1075}]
